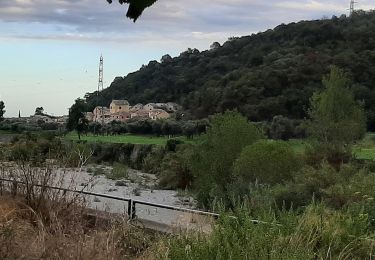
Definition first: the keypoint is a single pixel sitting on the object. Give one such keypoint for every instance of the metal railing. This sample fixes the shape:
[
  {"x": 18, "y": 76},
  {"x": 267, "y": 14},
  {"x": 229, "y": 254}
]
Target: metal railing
[{"x": 131, "y": 203}]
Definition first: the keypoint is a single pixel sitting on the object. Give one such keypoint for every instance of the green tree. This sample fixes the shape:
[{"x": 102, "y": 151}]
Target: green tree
[
  {"x": 39, "y": 111},
  {"x": 2, "y": 110},
  {"x": 213, "y": 160},
  {"x": 77, "y": 120},
  {"x": 336, "y": 119}
]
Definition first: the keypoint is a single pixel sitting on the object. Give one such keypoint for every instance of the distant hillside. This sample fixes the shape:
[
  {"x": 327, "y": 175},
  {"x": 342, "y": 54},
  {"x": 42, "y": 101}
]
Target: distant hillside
[{"x": 262, "y": 75}]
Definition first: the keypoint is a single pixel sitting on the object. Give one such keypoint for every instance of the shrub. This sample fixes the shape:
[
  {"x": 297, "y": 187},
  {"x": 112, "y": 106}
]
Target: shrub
[
  {"x": 212, "y": 160},
  {"x": 282, "y": 128},
  {"x": 175, "y": 170},
  {"x": 119, "y": 171},
  {"x": 151, "y": 163},
  {"x": 98, "y": 171},
  {"x": 266, "y": 161},
  {"x": 308, "y": 184},
  {"x": 172, "y": 144}
]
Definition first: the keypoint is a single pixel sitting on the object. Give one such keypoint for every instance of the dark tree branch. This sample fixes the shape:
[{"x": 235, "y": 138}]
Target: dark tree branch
[{"x": 136, "y": 7}]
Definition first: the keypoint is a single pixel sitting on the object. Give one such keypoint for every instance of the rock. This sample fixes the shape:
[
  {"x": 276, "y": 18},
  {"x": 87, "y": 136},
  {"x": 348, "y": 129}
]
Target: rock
[
  {"x": 112, "y": 190},
  {"x": 96, "y": 199}
]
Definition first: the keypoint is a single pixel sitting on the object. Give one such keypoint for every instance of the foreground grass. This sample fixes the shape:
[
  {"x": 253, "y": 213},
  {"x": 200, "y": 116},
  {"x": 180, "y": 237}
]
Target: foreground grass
[
  {"x": 288, "y": 236},
  {"x": 121, "y": 139},
  {"x": 24, "y": 234}
]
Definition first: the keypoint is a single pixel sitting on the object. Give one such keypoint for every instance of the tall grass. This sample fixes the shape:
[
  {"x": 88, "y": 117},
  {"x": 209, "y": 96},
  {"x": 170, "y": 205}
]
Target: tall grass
[
  {"x": 318, "y": 233},
  {"x": 39, "y": 223}
]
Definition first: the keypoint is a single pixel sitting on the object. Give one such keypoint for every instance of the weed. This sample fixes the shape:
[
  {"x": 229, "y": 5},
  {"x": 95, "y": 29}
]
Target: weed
[{"x": 119, "y": 171}]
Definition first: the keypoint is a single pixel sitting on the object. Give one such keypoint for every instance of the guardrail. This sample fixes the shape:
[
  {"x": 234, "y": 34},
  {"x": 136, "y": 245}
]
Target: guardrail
[{"x": 131, "y": 207}]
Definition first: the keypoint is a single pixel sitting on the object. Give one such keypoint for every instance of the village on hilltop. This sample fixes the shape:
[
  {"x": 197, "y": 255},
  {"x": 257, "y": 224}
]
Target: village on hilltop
[{"x": 122, "y": 111}]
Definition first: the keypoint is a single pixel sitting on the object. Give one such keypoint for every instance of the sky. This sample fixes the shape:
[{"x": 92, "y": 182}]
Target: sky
[{"x": 50, "y": 49}]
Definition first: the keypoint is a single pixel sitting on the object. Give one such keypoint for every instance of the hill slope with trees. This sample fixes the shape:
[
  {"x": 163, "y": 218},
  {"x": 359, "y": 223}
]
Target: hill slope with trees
[{"x": 263, "y": 75}]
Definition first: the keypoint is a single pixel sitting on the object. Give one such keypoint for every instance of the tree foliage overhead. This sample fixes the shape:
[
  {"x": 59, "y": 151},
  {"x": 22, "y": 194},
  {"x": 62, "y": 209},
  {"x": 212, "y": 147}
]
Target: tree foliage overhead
[
  {"x": 136, "y": 7},
  {"x": 262, "y": 75}
]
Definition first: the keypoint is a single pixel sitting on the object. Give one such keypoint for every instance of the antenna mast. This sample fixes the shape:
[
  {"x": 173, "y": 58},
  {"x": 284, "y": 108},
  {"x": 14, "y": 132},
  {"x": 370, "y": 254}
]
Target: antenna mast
[
  {"x": 100, "y": 85},
  {"x": 352, "y": 4}
]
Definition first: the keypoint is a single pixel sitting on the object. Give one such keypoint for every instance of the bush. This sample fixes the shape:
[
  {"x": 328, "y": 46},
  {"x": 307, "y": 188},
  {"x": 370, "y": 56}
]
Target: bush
[
  {"x": 172, "y": 144},
  {"x": 212, "y": 161},
  {"x": 316, "y": 153},
  {"x": 175, "y": 170},
  {"x": 269, "y": 162},
  {"x": 152, "y": 162},
  {"x": 119, "y": 171},
  {"x": 282, "y": 128},
  {"x": 98, "y": 171},
  {"x": 308, "y": 184}
]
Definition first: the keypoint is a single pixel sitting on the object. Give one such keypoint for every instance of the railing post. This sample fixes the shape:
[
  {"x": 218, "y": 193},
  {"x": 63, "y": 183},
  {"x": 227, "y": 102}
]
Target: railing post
[
  {"x": 14, "y": 188},
  {"x": 130, "y": 208},
  {"x": 133, "y": 210}
]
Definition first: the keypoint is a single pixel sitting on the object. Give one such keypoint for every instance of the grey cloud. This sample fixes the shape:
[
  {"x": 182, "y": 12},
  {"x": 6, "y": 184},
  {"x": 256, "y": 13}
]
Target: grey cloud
[{"x": 93, "y": 20}]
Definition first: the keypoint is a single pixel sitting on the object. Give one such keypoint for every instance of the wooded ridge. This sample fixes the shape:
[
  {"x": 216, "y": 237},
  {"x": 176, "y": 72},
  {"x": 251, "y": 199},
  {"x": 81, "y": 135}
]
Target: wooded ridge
[{"x": 266, "y": 74}]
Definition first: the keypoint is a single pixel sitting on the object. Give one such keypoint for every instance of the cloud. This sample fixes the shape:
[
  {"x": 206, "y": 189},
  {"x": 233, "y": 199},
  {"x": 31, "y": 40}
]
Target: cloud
[{"x": 166, "y": 21}]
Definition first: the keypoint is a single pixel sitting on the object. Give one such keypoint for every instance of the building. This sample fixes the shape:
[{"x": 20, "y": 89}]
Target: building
[
  {"x": 101, "y": 113},
  {"x": 119, "y": 106},
  {"x": 140, "y": 114},
  {"x": 158, "y": 114},
  {"x": 120, "y": 110},
  {"x": 121, "y": 116},
  {"x": 169, "y": 107},
  {"x": 136, "y": 108},
  {"x": 149, "y": 107}
]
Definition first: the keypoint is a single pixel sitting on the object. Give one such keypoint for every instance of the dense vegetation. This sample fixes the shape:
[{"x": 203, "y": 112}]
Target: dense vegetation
[
  {"x": 313, "y": 204},
  {"x": 316, "y": 205},
  {"x": 262, "y": 75}
]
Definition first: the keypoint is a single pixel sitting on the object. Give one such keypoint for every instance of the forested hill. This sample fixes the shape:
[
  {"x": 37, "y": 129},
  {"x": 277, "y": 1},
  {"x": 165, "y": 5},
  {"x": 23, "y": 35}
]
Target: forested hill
[{"x": 262, "y": 75}]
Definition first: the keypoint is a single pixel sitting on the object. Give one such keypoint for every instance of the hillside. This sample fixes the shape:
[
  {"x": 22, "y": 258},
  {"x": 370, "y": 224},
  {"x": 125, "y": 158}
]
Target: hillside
[{"x": 262, "y": 75}]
